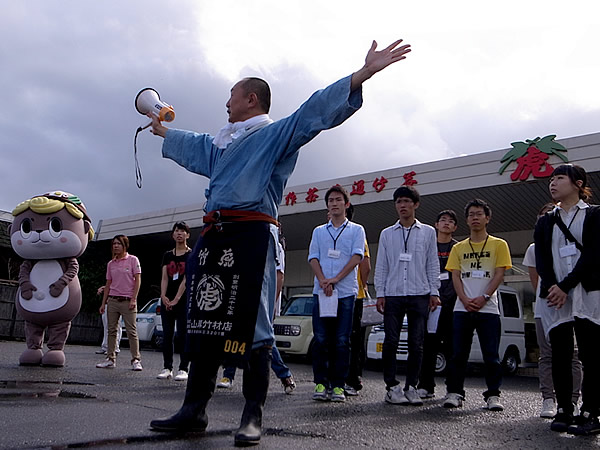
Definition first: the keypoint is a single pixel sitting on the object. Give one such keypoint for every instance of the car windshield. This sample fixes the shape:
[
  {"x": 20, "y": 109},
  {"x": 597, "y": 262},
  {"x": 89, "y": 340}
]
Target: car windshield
[
  {"x": 150, "y": 307},
  {"x": 299, "y": 306}
]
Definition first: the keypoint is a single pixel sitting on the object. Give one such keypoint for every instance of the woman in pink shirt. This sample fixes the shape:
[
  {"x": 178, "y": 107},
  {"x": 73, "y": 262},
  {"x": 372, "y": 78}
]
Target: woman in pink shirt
[{"x": 123, "y": 279}]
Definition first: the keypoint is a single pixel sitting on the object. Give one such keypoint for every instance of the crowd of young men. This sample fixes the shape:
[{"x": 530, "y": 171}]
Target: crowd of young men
[{"x": 248, "y": 163}]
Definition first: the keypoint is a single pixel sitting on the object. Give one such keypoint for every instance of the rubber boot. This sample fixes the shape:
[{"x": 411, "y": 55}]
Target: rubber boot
[
  {"x": 255, "y": 387},
  {"x": 192, "y": 417}
]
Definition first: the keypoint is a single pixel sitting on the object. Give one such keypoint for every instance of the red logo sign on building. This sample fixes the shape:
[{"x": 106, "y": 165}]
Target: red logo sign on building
[{"x": 531, "y": 157}]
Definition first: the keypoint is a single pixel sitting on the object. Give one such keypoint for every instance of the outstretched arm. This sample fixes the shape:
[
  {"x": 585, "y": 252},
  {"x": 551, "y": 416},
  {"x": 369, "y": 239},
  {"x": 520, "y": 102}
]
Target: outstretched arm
[{"x": 377, "y": 61}]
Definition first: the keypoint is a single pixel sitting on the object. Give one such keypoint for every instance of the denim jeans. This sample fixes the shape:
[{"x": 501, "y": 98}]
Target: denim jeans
[
  {"x": 415, "y": 308},
  {"x": 561, "y": 339},
  {"x": 487, "y": 326},
  {"x": 331, "y": 350},
  {"x": 169, "y": 318}
]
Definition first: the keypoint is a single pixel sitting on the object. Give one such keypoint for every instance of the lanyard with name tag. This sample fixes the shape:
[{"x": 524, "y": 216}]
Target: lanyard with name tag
[
  {"x": 568, "y": 250},
  {"x": 444, "y": 276},
  {"x": 334, "y": 254},
  {"x": 477, "y": 274}
]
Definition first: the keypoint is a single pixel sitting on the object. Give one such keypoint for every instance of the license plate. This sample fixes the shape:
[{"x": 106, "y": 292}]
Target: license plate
[{"x": 379, "y": 347}]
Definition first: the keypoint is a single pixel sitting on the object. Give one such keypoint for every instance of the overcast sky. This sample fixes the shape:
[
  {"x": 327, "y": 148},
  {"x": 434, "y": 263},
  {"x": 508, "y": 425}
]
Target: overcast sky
[{"x": 481, "y": 75}]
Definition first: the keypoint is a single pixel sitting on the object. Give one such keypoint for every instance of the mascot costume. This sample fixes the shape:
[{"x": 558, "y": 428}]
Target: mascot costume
[{"x": 49, "y": 232}]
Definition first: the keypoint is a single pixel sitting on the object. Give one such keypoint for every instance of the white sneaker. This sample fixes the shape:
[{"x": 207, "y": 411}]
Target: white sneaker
[
  {"x": 548, "y": 408},
  {"x": 453, "y": 400},
  {"x": 182, "y": 375},
  {"x": 424, "y": 393},
  {"x": 136, "y": 365},
  {"x": 165, "y": 374},
  {"x": 493, "y": 403},
  {"x": 395, "y": 396},
  {"x": 413, "y": 396},
  {"x": 225, "y": 383},
  {"x": 107, "y": 364}
]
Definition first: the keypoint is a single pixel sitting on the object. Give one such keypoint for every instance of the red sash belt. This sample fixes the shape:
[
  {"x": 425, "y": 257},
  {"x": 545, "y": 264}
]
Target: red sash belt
[{"x": 232, "y": 215}]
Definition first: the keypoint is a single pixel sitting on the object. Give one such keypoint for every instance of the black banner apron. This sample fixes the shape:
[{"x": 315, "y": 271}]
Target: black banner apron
[{"x": 224, "y": 281}]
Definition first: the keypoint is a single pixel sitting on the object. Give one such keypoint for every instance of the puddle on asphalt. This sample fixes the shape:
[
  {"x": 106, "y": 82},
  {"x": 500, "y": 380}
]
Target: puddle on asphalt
[{"x": 10, "y": 389}]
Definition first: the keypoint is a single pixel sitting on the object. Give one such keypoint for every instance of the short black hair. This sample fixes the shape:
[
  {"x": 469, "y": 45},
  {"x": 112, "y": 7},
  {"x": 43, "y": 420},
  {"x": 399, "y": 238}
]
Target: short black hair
[
  {"x": 447, "y": 212},
  {"x": 181, "y": 225},
  {"x": 337, "y": 188},
  {"x": 575, "y": 173},
  {"x": 478, "y": 203},
  {"x": 262, "y": 90},
  {"x": 408, "y": 192}
]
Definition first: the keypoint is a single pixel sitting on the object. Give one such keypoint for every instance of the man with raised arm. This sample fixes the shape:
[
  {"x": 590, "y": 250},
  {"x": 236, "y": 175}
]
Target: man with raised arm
[{"x": 231, "y": 273}]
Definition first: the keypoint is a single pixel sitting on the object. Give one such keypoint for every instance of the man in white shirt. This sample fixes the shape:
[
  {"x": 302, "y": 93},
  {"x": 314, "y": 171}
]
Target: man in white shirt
[{"x": 407, "y": 282}]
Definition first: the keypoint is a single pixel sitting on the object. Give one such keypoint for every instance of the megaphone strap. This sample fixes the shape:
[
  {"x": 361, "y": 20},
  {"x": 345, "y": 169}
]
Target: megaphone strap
[{"x": 138, "y": 170}]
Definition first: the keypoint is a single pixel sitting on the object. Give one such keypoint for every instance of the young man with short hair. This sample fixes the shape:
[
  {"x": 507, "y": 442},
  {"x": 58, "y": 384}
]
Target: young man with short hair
[
  {"x": 478, "y": 264},
  {"x": 407, "y": 282},
  {"x": 336, "y": 248},
  {"x": 440, "y": 331}
]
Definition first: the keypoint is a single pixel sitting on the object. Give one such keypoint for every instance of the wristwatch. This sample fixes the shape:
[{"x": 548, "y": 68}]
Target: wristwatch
[{"x": 486, "y": 297}]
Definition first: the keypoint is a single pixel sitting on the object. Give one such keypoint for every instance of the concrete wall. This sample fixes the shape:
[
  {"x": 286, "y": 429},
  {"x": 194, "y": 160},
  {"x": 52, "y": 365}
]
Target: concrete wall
[{"x": 86, "y": 328}]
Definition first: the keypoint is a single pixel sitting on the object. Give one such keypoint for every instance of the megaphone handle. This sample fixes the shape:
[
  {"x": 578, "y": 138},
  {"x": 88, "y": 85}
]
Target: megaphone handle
[{"x": 143, "y": 128}]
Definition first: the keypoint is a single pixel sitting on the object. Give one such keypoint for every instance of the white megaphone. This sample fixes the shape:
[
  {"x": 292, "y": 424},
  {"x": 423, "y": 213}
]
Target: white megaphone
[{"x": 148, "y": 100}]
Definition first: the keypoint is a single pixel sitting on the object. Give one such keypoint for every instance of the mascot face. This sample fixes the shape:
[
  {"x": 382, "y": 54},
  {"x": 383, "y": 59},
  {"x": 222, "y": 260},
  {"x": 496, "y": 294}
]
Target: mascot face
[{"x": 48, "y": 228}]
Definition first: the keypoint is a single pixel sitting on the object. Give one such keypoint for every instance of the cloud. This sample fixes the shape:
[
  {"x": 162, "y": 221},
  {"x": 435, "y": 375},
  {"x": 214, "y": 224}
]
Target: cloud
[{"x": 477, "y": 80}]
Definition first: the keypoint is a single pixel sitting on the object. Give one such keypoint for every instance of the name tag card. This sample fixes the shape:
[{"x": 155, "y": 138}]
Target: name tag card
[
  {"x": 333, "y": 254},
  {"x": 444, "y": 276},
  {"x": 328, "y": 306},
  {"x": 405, "y": 257},
  {"x": 477, "y": 274},
  {"x": 432, "y": 320},
  {"x": 568, "y": 250}
]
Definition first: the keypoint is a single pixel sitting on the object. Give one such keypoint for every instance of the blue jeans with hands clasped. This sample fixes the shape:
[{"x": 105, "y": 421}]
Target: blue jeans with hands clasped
[{"x": 331, "y": 350}]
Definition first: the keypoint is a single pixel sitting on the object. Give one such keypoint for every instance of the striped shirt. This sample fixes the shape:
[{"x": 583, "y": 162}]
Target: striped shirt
[{"x": 394, "y": 276}]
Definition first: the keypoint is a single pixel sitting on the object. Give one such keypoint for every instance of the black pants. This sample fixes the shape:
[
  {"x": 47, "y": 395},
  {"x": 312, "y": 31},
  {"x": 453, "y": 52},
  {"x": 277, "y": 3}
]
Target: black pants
[
  {"x": 357, "y": 346},
  {"x": 169, "y": 318},
  {"x": 561, "y": 340},
  {"x": 433, "y": 343}
]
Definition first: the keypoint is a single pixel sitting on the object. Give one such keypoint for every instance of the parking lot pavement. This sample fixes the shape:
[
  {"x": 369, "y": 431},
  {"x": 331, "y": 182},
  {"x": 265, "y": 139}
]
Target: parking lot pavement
[{"x": 81, "y": 406}]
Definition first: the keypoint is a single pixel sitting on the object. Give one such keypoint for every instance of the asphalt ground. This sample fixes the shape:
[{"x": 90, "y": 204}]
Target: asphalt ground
[{"x": 81, "y": 406}]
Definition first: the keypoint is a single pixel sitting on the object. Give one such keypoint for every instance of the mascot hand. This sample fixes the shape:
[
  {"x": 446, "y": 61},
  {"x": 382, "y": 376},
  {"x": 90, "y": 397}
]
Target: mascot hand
[
  {"x": 57, "y": 287},
  {"x": 27, "y": 290}
]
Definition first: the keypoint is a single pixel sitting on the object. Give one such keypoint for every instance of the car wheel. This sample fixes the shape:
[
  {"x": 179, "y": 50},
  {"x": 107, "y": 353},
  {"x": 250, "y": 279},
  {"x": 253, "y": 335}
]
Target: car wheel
[
  {"x": 511, "y": 361},
  {"x": 441, "y": 362}
]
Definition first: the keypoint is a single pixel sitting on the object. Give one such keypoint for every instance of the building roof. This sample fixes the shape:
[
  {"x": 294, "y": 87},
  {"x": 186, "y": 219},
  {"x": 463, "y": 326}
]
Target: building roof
[{"x": 444, "y": 184}]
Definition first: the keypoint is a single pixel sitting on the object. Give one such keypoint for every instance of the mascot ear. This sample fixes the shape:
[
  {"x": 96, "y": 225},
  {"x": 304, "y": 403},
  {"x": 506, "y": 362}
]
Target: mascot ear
[{"x": 86, "y": 226}]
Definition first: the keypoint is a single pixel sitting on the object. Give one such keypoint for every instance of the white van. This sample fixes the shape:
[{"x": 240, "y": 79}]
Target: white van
[{"x": 512, "y": 338}]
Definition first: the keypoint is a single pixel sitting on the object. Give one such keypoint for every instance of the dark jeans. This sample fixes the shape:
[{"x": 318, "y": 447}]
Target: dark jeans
[
  {"x": 487, "y": 326},
  {"x": 415, "y": 308},
  {"x": 357, "y": 346},
  {"x": 331, "y": 350},
  {"x": 177, "y": 314},
  {"x": 433, "y": 343},
  {"x": 561, "y": 340}
]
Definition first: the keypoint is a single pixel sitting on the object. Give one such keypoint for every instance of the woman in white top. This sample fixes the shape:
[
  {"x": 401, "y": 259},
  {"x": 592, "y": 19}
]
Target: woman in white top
[
  {"x": 545, "y": 356},
  {"x": 567, "y": 245}
]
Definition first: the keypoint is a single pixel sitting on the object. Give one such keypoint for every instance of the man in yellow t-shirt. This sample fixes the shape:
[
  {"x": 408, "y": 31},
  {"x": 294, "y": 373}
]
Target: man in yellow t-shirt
[{"x": 477, "y": 264}]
